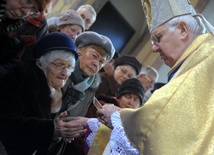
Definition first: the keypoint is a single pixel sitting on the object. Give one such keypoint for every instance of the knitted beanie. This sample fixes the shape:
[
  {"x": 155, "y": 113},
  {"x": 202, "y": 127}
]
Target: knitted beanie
[
  {"x": 131, "y": 86},
  {"x": 93, "y": 38},
  {"x": 129, "y": 60},
  {"x": 43, "y": 4},
  {"x": 71, "y": 17},
  {"x": 54, "y": 41}
]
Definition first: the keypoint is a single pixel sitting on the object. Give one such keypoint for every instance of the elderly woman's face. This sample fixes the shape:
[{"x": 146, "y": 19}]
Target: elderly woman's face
[
  {"x": 123, "y": 73},
  {"x": 58, "y": 71},
  {"x": 91, "y": 60},
  {"x": 129, "y": 100},
  {"x": 72, "y": 30},
  {"x": 20, "y": 8}
]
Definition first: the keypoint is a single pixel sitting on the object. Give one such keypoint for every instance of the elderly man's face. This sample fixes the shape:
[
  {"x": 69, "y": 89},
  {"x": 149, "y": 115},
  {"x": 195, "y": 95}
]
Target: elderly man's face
[
  {"x": 148, "y": 81},
  {"x": 88, "y": 18},
  {"x": 168, "y": 43}
]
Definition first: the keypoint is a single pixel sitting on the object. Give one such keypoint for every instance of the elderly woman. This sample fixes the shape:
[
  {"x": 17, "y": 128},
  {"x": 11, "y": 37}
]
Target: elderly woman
[
  {"x": 94, "y": 49},
  {"x": 130, "y": 95},
  {"x": 69, "y": 22},
  {"x": 126, "y": 67},
  {"x": 31, "y": 92}
]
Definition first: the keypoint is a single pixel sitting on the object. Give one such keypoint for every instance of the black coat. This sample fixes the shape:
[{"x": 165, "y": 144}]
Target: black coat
[{"x": 25, "y": 108}]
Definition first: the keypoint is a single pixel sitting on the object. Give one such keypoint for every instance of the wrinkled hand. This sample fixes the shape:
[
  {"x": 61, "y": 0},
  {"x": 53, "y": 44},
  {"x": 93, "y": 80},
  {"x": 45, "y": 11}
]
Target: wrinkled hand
[
  {"x": 68, "y": 130},
  {"x": 104, "y": 114},
  {"x": 78, "y": 120}
]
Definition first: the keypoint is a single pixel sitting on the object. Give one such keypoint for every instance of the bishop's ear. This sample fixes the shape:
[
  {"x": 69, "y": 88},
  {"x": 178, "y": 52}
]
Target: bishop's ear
[{"x": 184, "y": 29}]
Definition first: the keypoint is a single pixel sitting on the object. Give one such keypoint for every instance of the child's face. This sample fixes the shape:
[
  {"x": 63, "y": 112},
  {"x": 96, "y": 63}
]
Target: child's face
[{"x": 16, "y": 9}]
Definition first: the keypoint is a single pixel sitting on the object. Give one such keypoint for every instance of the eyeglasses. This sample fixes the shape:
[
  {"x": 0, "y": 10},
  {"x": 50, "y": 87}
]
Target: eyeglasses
[
  {"x": 156, "y": 38},
  {"x": 73, "y": 31},
  {"x": 61, "y": 67},
  {"x": 33, "y": 13},
  {"x": 150, "y": 81},
  {"x": 92, "y": 55}
]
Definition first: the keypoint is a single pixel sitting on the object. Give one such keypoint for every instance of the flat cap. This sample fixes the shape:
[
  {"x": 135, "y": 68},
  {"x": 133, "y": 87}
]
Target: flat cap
[{"x": 93, "y": 38}]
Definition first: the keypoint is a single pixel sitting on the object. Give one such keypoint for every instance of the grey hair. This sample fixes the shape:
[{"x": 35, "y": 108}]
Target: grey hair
[
  {"x": 195, "y": 23},
  {"x": 150, "y": 70},
  {"x": 89, "y": 8},
  {"x": 53, "y": 55}
]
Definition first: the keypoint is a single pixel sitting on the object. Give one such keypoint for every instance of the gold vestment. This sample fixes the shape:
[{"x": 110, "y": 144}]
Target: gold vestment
[{"x": 178, "y": 119}]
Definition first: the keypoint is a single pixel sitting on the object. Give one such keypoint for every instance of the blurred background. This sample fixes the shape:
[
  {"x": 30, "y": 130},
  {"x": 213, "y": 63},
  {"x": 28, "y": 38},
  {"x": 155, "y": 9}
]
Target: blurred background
[{"x": 123, "y": 21}]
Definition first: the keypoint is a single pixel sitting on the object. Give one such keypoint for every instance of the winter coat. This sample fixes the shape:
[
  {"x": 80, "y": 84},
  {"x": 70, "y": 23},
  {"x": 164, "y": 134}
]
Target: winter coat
[
  {"x": 108, "y": 86},
  {"x": 17, "y": 39},
  {"x": 25, "y": 110}
]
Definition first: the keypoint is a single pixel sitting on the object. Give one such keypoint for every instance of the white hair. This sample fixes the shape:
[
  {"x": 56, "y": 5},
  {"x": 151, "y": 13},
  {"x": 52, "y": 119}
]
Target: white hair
[
  {"x": 150, "y": 70},
  {"x": 53, "y": 55},
  {"x": 89, "y": 8},
  {"x": 195, "y": 23}
]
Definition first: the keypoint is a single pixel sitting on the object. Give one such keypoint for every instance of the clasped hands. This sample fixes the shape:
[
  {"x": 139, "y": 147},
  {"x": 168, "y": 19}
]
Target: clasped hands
[{"x": 67, "y": 129}]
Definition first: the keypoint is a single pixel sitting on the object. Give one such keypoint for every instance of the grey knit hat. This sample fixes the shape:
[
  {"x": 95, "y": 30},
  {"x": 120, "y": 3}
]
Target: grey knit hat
[
  {"x": 71, "y": 17},
  {"x": 93, "y": 38}
]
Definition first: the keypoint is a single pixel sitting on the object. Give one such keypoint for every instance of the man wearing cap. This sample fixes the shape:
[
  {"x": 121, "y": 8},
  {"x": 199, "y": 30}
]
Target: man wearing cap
[
  {"x": 94, "y": 49},
  {"x": 178, "y": 117}
]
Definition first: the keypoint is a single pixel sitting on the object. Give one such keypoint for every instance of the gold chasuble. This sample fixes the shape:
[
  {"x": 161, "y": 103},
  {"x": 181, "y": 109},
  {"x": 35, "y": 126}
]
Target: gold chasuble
[
  {"x": 178, "y": 119},
  {"x": 100, "y": 141}
]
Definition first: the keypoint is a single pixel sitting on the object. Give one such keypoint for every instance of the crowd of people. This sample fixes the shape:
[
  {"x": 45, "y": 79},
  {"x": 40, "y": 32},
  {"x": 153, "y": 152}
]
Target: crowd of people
[{"x": 52, "y": 70}]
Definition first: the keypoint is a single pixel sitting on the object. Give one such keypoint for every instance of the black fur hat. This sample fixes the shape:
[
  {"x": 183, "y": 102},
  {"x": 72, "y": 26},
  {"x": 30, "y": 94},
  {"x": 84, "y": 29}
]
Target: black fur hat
[
  {"x": 129, "y": 60},
  {"x": 132, "y": 86}
]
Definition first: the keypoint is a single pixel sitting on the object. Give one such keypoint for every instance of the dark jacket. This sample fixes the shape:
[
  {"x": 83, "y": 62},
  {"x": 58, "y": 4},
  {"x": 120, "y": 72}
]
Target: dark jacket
[
  {"x": 108, "y": 86},
  {"x": 25, "y": 109},
  {"x": 17, "y": 39},
  {"x": 2, "y": 8}
]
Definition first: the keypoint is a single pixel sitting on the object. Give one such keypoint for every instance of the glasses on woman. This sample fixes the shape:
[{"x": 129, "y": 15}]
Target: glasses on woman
[
  {"x": 73, "y": 30},
  {"x": 94, "y": 56},
  {"x": 33, "y": 13},
  {"x": 61, "y": 67}
]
